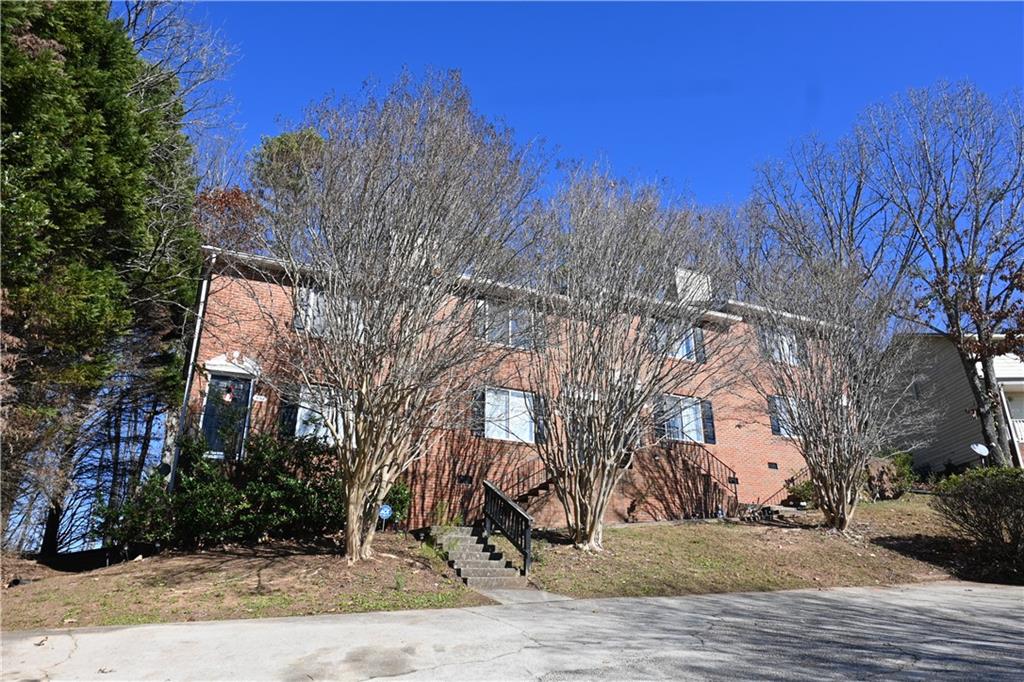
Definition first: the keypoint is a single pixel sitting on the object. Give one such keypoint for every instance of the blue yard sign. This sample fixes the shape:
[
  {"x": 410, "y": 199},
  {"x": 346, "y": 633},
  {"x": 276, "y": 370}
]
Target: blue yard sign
[{"x": 385, "y": 512}]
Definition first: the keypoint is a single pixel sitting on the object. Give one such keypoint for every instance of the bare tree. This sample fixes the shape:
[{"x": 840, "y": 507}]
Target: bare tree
[
  {"x": 951, "y": 161},
  {"x": 824, "y": 261},
  {"x": 384, "y": 215},
  {"x": 838, "y": 375},
  {"x": 623, "y": 286}
]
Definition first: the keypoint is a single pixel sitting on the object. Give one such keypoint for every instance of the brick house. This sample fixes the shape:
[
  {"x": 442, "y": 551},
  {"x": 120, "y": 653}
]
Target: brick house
[{"x": 719, "y": 452}]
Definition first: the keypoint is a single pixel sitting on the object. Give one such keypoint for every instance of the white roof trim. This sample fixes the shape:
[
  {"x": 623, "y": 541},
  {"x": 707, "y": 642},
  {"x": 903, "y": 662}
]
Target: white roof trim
[{"x": 486, "y": 286}]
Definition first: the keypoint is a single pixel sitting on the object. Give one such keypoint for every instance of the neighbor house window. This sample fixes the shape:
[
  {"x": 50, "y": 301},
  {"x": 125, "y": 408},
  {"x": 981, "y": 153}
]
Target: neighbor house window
[
  {"x": 783, "y": 346},
  {"x": 508, "y": 415},
  {"x": 679, "y": 343},
  {"x": 506, "y": 324},
  {"x": 782, "y": 412},
  {"x": 681, "y": 418},
  {"x": 226, "y": 414}
]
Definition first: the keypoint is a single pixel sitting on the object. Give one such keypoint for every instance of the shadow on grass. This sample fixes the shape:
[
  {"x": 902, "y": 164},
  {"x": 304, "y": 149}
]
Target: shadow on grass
[{"x": 956, "y": 556}]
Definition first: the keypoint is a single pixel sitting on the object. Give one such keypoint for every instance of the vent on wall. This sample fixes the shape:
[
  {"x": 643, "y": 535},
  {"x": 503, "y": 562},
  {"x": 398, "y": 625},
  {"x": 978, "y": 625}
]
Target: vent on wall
[{"x": 773, "y": 465}]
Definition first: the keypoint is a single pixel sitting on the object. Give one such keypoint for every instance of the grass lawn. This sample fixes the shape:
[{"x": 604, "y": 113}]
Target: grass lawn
[
  {"x": 236, "y": 582},
  {"x": 889, "y": 542}
]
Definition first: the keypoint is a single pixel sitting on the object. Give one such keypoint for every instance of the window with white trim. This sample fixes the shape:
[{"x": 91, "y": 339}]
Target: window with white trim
[
  {"x": 682, "y": 418},
  {"x": 506, "y": 324},
  {"x": 315, "y": 315},
  {"x": 676, "y": 343},
  {"x": 782, "y": 412},
  {"x": 318, "y": 410},
  {"x": 783, "y": 346},
  {"x": 508, "y": 415}
]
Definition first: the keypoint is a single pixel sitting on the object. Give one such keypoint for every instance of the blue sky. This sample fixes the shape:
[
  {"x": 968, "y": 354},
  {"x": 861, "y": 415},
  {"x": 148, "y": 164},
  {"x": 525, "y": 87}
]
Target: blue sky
[{"x": 695, "y": 94}]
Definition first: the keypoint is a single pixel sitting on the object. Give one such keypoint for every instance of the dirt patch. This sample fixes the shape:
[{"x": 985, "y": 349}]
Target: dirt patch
[
  {"x": 236, "y": 582},
  {"x": 696, "y": 558},
  {"x": 16, "y": 567}
]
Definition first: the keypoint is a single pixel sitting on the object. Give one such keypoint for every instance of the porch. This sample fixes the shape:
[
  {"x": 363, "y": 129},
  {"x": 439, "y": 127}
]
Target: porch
[{"x": 1014, "y": 395}]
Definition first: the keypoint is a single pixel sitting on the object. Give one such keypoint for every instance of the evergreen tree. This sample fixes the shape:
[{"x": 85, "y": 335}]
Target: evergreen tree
[{"x": 99, "y": 248}]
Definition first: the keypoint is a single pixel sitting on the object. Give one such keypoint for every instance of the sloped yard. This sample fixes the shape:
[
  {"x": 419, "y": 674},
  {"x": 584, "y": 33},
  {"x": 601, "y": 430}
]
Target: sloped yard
[
  {"x": 889, "y": 542},
  {"x": 272, "y": 580}
]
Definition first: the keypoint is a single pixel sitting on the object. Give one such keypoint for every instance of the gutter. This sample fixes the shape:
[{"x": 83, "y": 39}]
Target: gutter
[
  {"x": 204, "y": 290},
  {"x": 485, "y": 286}
]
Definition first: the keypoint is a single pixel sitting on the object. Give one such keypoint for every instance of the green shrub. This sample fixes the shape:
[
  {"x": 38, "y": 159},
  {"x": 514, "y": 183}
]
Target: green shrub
[
  {"x": 801, "y": 492},
  {"x": 986, "y": 506},
  {"x": 147, "y": 518},
  {"x": 400, "y": 499},
  {"x": 280, "y": 489}
]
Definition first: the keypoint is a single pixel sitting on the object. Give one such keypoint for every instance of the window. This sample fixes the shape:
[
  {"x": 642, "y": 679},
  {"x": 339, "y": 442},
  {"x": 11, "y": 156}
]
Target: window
[
  {"x": 783, "y": 346},
  {"x": 508, "y": 415},
  {"x": 505, "y": 324},
  {"x": 782, "y": 412},
  {"x": 226, "y": 414},
  {"x": 682, "y": 418},
  {"x": 316, "y": 410},
  {"x": 314, "y": 315},
  {"x": 677, "y": 343},
  {"x": 310, "y": 316}
]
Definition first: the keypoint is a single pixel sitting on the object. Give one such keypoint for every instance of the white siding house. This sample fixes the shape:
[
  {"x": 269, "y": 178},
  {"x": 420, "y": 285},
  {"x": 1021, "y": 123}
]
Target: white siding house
[{"x": 956, "y": 426}]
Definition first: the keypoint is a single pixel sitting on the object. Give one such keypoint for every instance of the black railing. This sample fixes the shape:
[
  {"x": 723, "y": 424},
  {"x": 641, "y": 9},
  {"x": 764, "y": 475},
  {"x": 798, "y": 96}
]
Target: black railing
[
  {"x": 783, "y": 492},
  {"x": 527, "y": 478},
  {"x": 516, "y": 484},
  {"x": 515, "y": 524},
  {"x": 718, "y": 471}
]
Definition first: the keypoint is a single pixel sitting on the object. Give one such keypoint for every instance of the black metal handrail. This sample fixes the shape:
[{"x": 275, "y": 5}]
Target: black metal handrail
[
  {"x": 510, "y": 519},
  {"x": 517, "y": 483},
  {"x": 720, "y": 472},
  {"x": 525, "y": 482},
  {"x": 783, "y": 492}
]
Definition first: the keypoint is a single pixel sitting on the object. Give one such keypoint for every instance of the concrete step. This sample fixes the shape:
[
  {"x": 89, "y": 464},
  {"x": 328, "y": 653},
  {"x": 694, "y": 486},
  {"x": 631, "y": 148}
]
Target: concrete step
[
  {"x": 462, "y": 555},
  {"x": 481, "y": 563},
  {"x": 510, "y": 583},
  {"x": 497, "y": 571},
  {"x": 455, "y": 544},
  {"x": 445, "y": 531},
  {"x": 467, "y": 547}
]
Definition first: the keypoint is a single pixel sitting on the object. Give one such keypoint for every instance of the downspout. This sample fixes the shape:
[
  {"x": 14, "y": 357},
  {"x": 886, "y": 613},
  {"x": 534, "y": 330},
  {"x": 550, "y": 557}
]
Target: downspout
[
  {"x": 1014, "y": 446},
  {"x": 204, "y": 290}
]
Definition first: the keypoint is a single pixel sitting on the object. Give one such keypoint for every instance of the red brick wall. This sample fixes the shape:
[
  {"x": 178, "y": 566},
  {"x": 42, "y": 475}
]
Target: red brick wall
[{"x": 656, "y": 487}]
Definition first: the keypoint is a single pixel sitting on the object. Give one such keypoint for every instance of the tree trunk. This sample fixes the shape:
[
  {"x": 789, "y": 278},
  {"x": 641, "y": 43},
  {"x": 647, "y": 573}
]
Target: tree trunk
[
  {"x": 171, "y": 442},
  {"x": 353, "y": 518},
  {"x": 988, "y": 408},
  {"x": 113, "y": 494},
  {"x": 366, "y": 543},
  {"x": 354, "y": 547},
  {"x": 1000, "y": 426},
  {"x": 147, "y": 437},
  {"x": 50, "y": 531},
  {"x": 594, "y": 536}
]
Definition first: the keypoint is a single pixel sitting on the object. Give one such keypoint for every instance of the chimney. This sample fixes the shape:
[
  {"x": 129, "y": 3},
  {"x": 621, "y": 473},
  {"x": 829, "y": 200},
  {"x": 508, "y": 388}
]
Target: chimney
[{"x": 692, "y": 285}]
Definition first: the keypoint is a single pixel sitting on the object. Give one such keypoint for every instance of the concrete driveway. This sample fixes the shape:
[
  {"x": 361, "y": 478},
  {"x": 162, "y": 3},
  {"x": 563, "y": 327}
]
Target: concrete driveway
[{"x": 950, "y": 629}]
